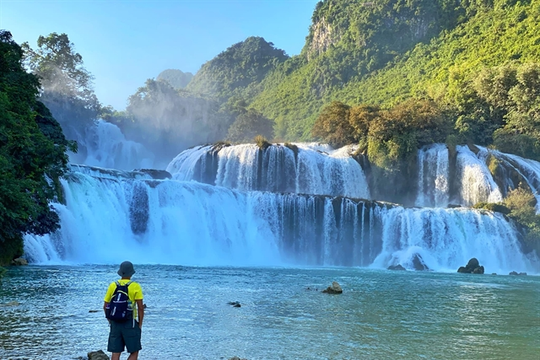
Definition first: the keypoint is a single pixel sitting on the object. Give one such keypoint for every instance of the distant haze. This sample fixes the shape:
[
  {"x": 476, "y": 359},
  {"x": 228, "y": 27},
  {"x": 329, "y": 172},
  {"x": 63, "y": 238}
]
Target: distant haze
[{"x": 125, "y": 43}]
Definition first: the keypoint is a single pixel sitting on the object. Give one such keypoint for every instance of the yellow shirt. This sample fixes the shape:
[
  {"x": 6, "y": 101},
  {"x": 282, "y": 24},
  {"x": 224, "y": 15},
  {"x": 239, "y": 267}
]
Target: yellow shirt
[{"x": 134, "y": 293}]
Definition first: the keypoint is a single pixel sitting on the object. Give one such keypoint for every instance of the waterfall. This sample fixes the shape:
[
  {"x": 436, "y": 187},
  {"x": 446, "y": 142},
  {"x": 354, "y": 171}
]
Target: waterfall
[
  {"x": 105, "y": 146},
  {"x": 476, "y": 182},
  {"x": 111, "y": 216},
  {"x": 433, "y": 176},
  {"x": 277, "y": 168}
]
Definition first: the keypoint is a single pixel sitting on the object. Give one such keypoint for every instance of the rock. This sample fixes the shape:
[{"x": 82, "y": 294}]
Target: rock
[
  {"x": 334, "y": 289},
  {"x": 397, "y": 267},
  {"x": 473, "y": 267},
  {"x": 418, "y": 263},
  {"x": 156, "y": 174},
  {"x": 98, "y": 355},
  {"x": 234, "y": 303},
  {"x": 516, "y": 273},
  {"x": 478, "y": 270},
  {"x": 473, "y": 263},
  {"x": 11, "y": 303},
  {"x": 19, "y": 261},
  {"x": 236, "y": 358},
  {"x": 93, "y": 311}
]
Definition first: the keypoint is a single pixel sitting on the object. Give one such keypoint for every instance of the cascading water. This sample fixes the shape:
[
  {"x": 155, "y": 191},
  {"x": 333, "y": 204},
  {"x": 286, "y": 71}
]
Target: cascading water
[
  {"x": 433, "y": 176},
  {"x": 176, "y": 222},
  {"x": 476, "y": 183},
  {"x": 277, "y": 168},
  {"x": 105, "y": 146}
]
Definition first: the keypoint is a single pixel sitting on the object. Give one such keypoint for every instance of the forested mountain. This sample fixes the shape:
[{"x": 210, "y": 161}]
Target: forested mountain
[
  {"x": 238, "y": 69},
  {"x": 385, "y": 51},
  {"x": 176, "y": 78}
]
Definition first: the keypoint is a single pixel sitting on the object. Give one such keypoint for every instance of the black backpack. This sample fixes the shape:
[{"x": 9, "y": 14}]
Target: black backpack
[{"x": 120, "y": 308}]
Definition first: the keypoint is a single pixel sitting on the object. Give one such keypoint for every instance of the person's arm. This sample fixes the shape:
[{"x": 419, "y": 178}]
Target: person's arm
[{"x": 140, "y": 312}]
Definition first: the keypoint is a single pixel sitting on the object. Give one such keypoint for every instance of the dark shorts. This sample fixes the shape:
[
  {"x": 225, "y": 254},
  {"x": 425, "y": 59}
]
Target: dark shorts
[{"x": 124, "y": 334}]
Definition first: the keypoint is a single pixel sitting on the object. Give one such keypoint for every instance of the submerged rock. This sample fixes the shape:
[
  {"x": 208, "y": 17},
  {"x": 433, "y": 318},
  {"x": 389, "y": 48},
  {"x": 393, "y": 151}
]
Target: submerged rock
[
  {"x": 517, "y": 274},
  {"x": 397, "y": 267},
  {"x": 98, "y": 355},
  {"x": 19, "y": 261},
  {"x": 473, "y": 267},
  {"x": 234, "y": 303},
  {"x": 334, "y": 289}
]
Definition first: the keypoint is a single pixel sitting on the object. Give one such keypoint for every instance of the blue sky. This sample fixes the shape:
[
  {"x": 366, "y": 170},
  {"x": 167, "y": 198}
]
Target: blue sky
[{"x": 123, "y": 42}]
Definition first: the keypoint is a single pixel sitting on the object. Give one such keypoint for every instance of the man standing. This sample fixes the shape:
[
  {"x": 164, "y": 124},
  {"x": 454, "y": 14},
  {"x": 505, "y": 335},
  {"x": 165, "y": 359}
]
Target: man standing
[{"x": 126, "y": 333}]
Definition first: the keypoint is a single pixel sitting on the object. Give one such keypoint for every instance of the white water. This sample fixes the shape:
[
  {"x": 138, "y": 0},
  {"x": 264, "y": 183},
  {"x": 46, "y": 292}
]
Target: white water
[
  {"x": 107, "y": 147},
  {"x": 433, "y": 176},
  {"x": 106, "y": 220},
  {"x": 277, "y": 169}
]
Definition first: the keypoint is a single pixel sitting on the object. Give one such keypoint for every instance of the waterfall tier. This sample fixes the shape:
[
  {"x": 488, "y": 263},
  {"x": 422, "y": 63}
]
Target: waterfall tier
[{"x": 110, "y": 217}]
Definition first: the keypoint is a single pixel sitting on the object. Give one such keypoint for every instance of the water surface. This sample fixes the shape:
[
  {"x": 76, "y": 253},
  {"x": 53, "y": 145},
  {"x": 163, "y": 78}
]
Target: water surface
[{"x": 44, "y": 313}]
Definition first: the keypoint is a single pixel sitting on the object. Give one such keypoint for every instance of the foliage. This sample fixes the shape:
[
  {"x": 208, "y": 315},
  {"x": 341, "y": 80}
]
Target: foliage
[
  {"x": 176, "y": 78},
  {"x": 333, "y": 125},
  {"x": 234, "y": 70},
  {"x": 356, "y": 54},
  {"x": 261, "y": 142},
  {"x": 2, "y": 272},
  {"x": 66, "y": 85},
  {"x": 521, "y": 203},
  {"x": 495, "y": 207},
  {"x": 248, "y": 124},
  {"x": 32, "y": 154},
  {"x": 388, "y": 135}
]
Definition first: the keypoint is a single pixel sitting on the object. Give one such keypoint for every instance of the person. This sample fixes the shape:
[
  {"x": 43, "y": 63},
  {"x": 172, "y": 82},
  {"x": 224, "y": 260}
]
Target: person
[{"x": 128, "y": 333}]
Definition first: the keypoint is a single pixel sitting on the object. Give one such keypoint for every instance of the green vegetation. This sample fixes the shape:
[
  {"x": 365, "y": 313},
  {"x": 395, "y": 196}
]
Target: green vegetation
[
  {"x": 384, "y": 52},
  {"x": 66, "y": 85},
  {"x": 32, "y": 152},
  {"x": 176, "y": 78},
  {"x": 249, "y": 124},
  {"x": 237, "y": 70},
  {"x": 520, "y": 205},
  {"x": 261, "y": 142}
]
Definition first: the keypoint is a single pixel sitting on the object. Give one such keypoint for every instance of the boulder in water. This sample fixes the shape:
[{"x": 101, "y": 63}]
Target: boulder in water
[
  {"x": 334, "y": 289},
  {"x": 517, "y": 274},
  {"x": 418, "y": 263},
  {"x": 397, "y": 267},
  {"x": 98, "y": 355},
  {"x": 19, "y": 261},
  {"x": 472, "y": 267}
]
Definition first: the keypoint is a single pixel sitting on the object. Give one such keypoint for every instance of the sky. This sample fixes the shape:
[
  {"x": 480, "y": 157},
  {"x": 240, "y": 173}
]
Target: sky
[{"x": 125, "y": 42}]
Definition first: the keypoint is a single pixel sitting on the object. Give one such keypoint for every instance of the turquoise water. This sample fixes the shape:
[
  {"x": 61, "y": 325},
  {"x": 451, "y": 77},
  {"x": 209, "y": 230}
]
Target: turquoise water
[{"x": 45, "y": 314}]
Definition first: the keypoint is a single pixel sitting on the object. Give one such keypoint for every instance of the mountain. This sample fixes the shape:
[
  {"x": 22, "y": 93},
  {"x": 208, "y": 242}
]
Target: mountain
[
  {"x": 176, "y": 78},
  {"x": 234, "y": 70},
  {"x": 385, "y": 51}
]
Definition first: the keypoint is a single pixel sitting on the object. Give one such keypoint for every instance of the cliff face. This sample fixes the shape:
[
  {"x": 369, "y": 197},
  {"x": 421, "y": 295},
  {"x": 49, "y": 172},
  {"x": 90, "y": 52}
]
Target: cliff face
[{"x": 390, "y": 26}]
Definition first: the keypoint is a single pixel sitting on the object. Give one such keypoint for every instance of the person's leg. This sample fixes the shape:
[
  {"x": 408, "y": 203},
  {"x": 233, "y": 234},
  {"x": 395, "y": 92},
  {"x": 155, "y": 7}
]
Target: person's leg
[
  {"x": 132, "y": 356},
  {"x": 116, "y": 341},
  {"x": 132, "y": 338}
]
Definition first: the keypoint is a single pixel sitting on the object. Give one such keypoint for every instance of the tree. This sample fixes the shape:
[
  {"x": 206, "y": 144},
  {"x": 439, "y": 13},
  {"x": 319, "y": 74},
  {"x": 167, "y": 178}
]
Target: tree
[
  {"x": 67, "y": 85},
  {"x": 249, "y": 124},
  {"x": 32, "y": 153},
  {"x": 333, "y": 126}
]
